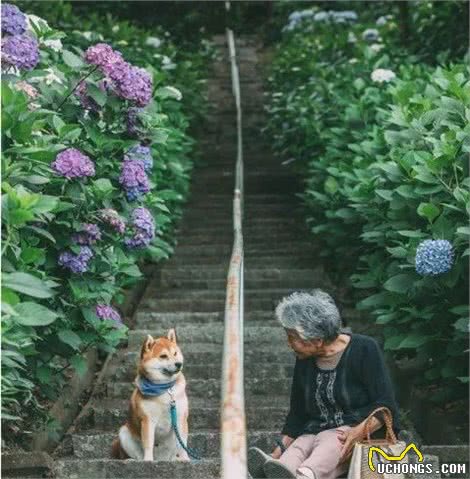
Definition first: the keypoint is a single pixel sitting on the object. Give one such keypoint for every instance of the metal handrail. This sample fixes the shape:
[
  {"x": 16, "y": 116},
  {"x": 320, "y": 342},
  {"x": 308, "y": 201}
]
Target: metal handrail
[{"x": 233, "y": 422}]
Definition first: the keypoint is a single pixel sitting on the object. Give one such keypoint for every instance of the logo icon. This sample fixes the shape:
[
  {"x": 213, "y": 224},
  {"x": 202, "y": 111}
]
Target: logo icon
[{"x": 393, "y": 458}]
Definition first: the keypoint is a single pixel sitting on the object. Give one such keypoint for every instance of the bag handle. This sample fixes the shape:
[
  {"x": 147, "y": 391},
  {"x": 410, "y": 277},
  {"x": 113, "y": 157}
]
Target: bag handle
[{"x": 388, "y": 420}]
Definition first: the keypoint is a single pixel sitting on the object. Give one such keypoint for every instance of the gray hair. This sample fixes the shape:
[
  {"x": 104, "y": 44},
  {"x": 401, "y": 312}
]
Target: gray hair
[{"x": 312, "y": 315}]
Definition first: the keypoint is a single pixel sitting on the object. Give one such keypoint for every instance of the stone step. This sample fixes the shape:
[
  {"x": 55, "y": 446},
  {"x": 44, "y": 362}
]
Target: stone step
[
  {"x": 280, "y": 248},
  {"x": 200, "y": 354},
  {"x": 284, "y": 236},
  {"x": 207, "y": 443},
  {"x": 298, "y": 261},
  {"x": 115, "y": 469},
  {"x": 250, "y": 201},
  {"x": 165, "y": 320},
  {"x": 273, "y": 334},
  {"x": 193, "y": 214},
  {"x": 126, "y": 371},
  {"x": 149, "y": 319},
  {"x": 112, "y": 414},
  {"x": 250, "y": 274},
  {"x": 155, "y": 292},
  {"x": 185, "y": 303},
  {"x": 211, "y": 388},
  {"x": 251, "y": 232},
  {"x": 217, "y": 284}
]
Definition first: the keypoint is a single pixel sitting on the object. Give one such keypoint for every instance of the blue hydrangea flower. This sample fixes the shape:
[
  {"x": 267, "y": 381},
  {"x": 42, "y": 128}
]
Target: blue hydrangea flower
[
  {"x": 434, "y": 257},
  {"x": 76, "y": 263},
  {"x": 140, "y": 153}
]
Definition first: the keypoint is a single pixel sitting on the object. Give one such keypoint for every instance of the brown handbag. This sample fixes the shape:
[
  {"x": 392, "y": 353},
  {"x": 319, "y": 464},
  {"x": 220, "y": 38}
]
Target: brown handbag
[{"x": 359, "y": 466}]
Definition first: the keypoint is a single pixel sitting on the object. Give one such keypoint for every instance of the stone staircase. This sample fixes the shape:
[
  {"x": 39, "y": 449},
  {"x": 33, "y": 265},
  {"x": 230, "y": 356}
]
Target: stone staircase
[{"x": 189, "y": 294}]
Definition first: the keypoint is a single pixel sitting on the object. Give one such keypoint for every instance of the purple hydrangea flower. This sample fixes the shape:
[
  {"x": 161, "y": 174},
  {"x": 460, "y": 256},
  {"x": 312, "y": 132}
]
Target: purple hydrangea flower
[
  {"x": 134, "y": 123},
  {"x": 144, "y": 228},
  {"x": 131, "y": 83},
  {"x": 20, "y": 51},
  {"x": 142, "y": 220},
  {"x": 104, "y": 311},
  {"x": 434, "y": 257},
  {"x": 103, "y": 56},
  {"x": 134, "y": 179},
  {"x": 140, "y": 153},
  {"x": 77, "y": 263},
  {"x": 112, "y": 218},
  {"x": 13, "y": 20},
  {"x": 72, "y": 163},
  {"x": 88, "y": 235}
]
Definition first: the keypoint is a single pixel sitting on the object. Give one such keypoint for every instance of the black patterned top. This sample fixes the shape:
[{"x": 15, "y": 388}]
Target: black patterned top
[{"x": 344, "y": 394}]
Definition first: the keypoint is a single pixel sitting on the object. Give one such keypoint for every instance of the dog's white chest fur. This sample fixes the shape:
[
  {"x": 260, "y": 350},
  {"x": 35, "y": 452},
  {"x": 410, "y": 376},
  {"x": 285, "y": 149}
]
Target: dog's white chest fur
[{"x": 159, "y": 412}]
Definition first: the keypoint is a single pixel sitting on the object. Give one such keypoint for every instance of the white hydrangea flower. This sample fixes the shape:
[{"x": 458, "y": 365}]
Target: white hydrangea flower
[
  {"x": 321, "y": 16},
  {"x": 38, "y": 22},
  {"x": 56, "y": 45},
  {"x": 153, "y": 42},
  {"x": 115, "y": 28},
  {"x": 352, "y": 61},
  {"x": 382, "y": 75},
  {"x": 381, "y": 21},
  {"x": 167, "y": 63},
  {"x": 377, "y": 47},
  {"x": 352, "y": 38},
  {"x": 370, "y": 35}
]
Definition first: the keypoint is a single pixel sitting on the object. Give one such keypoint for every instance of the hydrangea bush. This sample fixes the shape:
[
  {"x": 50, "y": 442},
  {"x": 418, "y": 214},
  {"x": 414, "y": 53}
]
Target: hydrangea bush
[
  {"x": 381, "y": 139},
  {"x": 85, "y": 199}
]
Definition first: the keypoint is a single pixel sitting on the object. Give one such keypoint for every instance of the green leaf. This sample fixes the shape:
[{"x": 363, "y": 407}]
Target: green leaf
[
  {"x": 398, "y": 252},
  {"x": 79, "y": 364},
  {"x": 103, "y": 185},
  {"x": 428, "y": 211},
  {"x": 71, "y": 338},
  {"x": 97, "y": 94},
  {"x": 72, "y": 60},
  {"x": 414, "y": 340},
  {"x": 34, "y": 314},
  {"x": 401, "y": 283},
  {"x": 27, "y": 284},
  {"x": 464, "y": 230},
  {"x": 168, "y": 92},
  {"x": 411, "y": 233},
  {"x": 462, "y": 324},
  {"x": 331, "y": 185}
]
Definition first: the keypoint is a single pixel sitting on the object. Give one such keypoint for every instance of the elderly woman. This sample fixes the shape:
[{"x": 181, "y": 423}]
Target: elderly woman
[{"x": 339, "y": 379}]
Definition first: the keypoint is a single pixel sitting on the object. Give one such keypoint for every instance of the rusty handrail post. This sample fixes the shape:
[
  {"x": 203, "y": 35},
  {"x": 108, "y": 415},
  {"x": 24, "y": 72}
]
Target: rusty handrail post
[{"x": 233, "y": 422}]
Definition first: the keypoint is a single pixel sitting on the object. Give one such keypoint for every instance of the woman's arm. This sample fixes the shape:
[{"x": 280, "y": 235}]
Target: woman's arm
[
  {"x": 296, "y": 418},
  {"x": 378, "y": 382}
]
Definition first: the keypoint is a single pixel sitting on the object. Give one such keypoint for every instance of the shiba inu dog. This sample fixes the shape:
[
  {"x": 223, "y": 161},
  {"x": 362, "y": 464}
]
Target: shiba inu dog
[{"x": 159, "y": 380}]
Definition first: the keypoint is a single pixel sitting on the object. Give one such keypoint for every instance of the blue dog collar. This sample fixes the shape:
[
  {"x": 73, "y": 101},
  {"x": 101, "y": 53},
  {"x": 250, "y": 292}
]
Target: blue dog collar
[{"x": 149, "y": 388}]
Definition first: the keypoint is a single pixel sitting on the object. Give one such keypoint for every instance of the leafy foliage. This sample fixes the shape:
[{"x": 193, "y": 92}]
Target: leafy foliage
[
  {"x": 385, "y": 162},
  {"x": 49, "y": 314}
]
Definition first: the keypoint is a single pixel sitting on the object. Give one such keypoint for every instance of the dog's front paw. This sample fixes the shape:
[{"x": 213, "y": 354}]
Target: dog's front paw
[
  {"x": 183, "y": 457},
  {"x": 148, "y": 458}
]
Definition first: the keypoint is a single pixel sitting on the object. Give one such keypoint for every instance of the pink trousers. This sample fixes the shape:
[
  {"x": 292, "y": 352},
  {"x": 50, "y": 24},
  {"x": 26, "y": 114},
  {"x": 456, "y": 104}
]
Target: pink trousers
[{"x": 319, "y": 452}]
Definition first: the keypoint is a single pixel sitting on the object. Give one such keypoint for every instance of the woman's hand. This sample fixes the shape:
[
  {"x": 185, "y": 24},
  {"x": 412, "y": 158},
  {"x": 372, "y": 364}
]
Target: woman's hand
[
  {"x": 287, "y": 441},
  {"x": 348, "y": 438}
]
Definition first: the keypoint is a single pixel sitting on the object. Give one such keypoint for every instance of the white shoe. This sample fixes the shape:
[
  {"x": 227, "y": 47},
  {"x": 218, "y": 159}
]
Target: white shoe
[{"x": 305, "y": 473}]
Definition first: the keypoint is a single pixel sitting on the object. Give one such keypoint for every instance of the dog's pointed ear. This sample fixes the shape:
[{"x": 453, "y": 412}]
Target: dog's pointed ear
[
  {"x": 172, "y": 335},
  {"x": 147, "y": 345}
]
